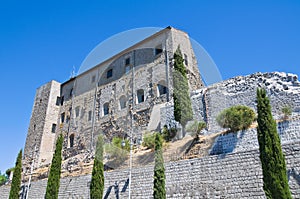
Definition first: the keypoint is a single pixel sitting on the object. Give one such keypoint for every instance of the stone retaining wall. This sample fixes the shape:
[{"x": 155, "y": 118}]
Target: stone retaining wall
[
  {"x": 289, "y": 131},
  {"x": 234, "y": 175}
]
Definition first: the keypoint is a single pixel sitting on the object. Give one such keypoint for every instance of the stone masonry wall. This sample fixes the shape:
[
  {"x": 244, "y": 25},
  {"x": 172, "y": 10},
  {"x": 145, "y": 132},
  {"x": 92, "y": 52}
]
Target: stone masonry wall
[
  {"x": 283, "y": 90},
  {"x": 289, "y": 131},
  {"x": 231, "y": 175}
]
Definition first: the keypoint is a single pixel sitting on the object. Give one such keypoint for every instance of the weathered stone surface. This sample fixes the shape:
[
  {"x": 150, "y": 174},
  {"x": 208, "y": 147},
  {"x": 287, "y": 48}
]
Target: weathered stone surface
[{"x": 231, "y": 175}]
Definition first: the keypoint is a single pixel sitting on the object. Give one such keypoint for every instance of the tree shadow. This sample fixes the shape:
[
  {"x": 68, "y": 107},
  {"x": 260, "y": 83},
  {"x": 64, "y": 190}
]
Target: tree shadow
[{"x": 294, "y": 174}]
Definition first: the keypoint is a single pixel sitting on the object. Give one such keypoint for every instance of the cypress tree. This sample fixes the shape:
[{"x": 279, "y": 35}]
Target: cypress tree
[
  {"x": 182, "y": 103},
  {"x": 16, "y": 181},
  {"x": 271, "y": 156},
  {"x": 97, "y": 182},
  {"x": 55, "y": 170},
  {"x": 159, "y": 191}
]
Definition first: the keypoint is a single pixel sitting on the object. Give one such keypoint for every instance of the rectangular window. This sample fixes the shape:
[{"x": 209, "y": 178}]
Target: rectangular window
[
  {"x": 57, "y": 101},
  {"x": 93, "y": 78},
  {"x": 53, "y": 128},
  {"x": 158, "y": 49},
  {"x": 90, "y": 116},
  {"x": 62, "y": 117},
  {"x": 186, "y": 60},
  {"x": 109, "y": 73},
  {"x": 77, "y": 110},
  {"x": 127, "y": 61}
]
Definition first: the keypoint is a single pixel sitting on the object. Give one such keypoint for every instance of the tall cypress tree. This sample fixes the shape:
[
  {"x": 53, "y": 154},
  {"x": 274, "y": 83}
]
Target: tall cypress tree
[
  {"x": 271, "y": 156},
  {"x": 97, "y": 182},
  {"x": 159, "y": 191},
  {"x": 182, "y": 103},
  {"x": 16, "y": 181},
  {"x": 55, "y": 170}
]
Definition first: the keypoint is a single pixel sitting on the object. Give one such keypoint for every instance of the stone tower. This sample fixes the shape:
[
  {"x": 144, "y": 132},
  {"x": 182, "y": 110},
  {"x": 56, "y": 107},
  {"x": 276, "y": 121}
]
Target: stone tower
[{"x": 41, "y": 132}]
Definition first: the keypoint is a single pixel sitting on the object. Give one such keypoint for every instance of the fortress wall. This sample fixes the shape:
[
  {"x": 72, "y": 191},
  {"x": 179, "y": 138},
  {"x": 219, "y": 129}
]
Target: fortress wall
[
  {"x": 289, "y": 131},
  {"x": 283, "y": 90},
  {"x": 234, "y": 175}
]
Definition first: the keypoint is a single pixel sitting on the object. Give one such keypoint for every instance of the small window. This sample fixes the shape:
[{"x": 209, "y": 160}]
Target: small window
[
  {"x": 93, "y": 78},
  {"x": 90, "y": 116},
  {"x": 71, "y": 92},
  {"x": 162, "y": 89},
  {"x": 127, "y": 61},
  {"x": 186, "y": 62},
  {"x": 62, "y": 117},
  {"x": 62, "y": 100},
  {"x": 106, "y": 108},
  {"x": 71, "y": 140},
  {"x": 122, "y": 102},
  {"x": 158, "y": 49},
  {"x": 53, "y": 128},
  {"x": 34, "y": 127},
  {"x": 109, "y": 73},
  {"x": 57, "y": 101},
  {"x": 77, "y": 111},
  {"x": 140, "y": 96}
]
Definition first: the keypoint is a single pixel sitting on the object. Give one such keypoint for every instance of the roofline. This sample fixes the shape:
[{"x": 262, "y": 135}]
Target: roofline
[{"x": 124, "y": 51}]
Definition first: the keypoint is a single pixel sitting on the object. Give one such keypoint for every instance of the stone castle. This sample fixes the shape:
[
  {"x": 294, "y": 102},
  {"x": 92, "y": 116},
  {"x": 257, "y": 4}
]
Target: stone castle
[
  {"x": 131, "y": 93},
  {"x": 119, "y": 95}
]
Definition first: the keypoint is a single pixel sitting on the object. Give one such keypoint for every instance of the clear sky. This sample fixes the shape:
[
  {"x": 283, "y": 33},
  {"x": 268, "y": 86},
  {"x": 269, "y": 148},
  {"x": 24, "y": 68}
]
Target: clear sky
[{"x": 43, "y": 40}]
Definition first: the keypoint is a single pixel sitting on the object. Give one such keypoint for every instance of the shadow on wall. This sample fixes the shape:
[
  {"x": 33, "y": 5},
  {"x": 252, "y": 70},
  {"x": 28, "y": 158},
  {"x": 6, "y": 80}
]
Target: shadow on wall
[
  {"x": 293, "y": 173},
  {"x": 116, "y": 188},
  {"x": 226, "y": 143}
]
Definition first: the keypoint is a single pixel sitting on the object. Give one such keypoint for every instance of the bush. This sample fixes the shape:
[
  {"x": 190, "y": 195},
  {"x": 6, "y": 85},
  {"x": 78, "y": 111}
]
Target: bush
[
  {"x": 195, "y": 128},
  {"x": 117, "y": 153},
  {"x": 149, "y": 140},
  {"x": 286, "y": 111},
  {"x": 236, "y": 118},
  {"x": 168, "y": 134}
]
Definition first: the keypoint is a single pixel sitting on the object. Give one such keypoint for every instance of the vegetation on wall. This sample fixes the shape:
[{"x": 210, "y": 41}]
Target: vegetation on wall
[
  {"x": 287, "y": 112},
  {"x": 3, "y": 178},
  {"x": 195, "y": 128},
  {"x": 55, "y": 170},
  {"x": 159, "y": 190},
  {"x": 116, "y": 152},
  {"x": 149, "y": 140},
  {"x": 182, "y": 103},
  {"x": 236, "y": 118},
  {"x": 16, "y": 180},
  {"x": 97, "y": 182},
  {"x": 168, "y": 133},
  {"x": 271, "y": 156}
]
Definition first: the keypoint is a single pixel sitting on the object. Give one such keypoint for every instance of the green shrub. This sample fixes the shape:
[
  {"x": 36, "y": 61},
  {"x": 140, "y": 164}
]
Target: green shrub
[
  {"x": 159, "y": 190},
  {"x": 97, "y": 181},
  {"x": 117, "y": 153},
  {"x": 287, "y": 112},
  {"x": 16, "y": 181},
  {"x": 149, "y": 140},
  {"x": 117, "y": 142},
  {"x": 195, "y": 128},
  {"x": 168, "y": 134},
  {"x": 55, "y": 171},
  {"x": 275, "y": 179},
  {"x": 236, "y": 118}
]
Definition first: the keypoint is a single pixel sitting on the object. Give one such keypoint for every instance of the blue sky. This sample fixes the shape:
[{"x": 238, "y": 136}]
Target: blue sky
[{"x": 43, "y": 40}]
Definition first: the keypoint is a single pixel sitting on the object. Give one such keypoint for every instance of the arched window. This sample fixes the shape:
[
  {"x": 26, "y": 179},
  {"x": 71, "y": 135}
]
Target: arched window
[
  {"x": 122, "y": 101},
  {"x": 106, "y": 108},
  {"x": 140, "y": 96},
  {"x": 71, "y": 140},
  {"x": 161, "y": 89}
]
